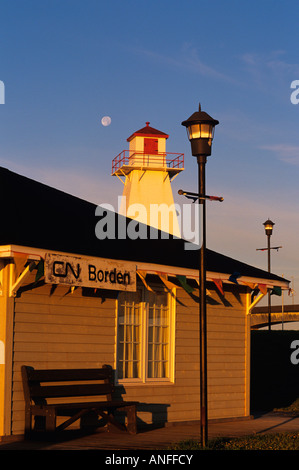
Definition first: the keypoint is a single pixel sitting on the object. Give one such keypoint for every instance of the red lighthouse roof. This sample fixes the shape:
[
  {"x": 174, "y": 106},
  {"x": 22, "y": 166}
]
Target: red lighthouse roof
[{"x": 148, "y": 131}]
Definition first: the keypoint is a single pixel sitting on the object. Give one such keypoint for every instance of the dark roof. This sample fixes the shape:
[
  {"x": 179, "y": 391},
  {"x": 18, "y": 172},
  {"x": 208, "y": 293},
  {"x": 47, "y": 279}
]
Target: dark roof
[
  {"x": 38, "y": 216},
  {"x": 148, "y": 131}
]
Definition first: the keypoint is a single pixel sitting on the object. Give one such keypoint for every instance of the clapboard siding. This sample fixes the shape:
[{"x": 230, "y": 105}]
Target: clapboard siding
[
  {"x": 71, "y": 330},
  {"x": 59, "y": 330},
  {"x": 226, "y": 330},
  {"x": 226, "y": 361}
]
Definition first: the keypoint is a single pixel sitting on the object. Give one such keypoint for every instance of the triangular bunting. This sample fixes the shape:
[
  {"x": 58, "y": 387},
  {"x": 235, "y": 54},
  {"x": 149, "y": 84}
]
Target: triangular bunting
[
  {"x": 40, "y": 270},
  {"x": 218, "y": 284},
  {"x": 233, "y": 278},
  {"x": 184, "y": 284},
  {"x": 164, "y": 278},
  {"x": 262, "y": 288},
  {"x": 207, "y": 290},
  {"x": 250, "y": 284},
  {"x": 20, "y": 262},
  {"x": 276, "y": 291},
  {"x": 142, "y": 275}
]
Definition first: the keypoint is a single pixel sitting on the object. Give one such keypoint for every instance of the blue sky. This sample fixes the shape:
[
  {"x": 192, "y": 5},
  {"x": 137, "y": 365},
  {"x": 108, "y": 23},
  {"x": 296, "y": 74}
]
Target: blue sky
[{"x": 66, "y": 64}]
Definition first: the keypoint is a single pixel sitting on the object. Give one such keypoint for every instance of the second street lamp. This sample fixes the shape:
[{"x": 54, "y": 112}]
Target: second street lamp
[
  {"x": 269, "y": 229},
  {"x": 200, "y": 129}
]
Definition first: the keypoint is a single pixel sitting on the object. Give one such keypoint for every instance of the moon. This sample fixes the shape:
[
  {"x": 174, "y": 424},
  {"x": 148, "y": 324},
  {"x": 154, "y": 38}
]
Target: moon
[{"x": 106, "y": 121}]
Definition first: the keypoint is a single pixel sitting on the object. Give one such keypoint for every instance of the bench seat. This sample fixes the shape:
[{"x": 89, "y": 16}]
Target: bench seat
[{"x": 41, "y": 385}]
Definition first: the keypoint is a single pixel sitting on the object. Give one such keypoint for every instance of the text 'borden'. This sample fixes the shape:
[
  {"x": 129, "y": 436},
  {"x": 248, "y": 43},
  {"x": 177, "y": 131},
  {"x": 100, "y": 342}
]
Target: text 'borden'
[{"x": 90, "y": 272}]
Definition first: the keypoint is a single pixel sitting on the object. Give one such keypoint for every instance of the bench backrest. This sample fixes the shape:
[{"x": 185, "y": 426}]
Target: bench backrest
[{"x": 38, "y": 385}]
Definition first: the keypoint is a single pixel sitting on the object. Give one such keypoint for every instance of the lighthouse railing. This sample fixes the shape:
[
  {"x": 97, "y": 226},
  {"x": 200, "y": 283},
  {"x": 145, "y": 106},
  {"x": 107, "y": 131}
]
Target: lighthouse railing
[{"x": 137, "y": 159}]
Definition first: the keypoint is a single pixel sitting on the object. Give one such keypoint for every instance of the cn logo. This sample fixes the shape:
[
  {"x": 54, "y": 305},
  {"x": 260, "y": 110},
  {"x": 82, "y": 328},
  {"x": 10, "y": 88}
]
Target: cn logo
[{"x": 62, "y": 269}]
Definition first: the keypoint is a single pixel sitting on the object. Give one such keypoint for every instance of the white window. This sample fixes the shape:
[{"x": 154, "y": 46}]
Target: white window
[{"x": 145, "y": 336}]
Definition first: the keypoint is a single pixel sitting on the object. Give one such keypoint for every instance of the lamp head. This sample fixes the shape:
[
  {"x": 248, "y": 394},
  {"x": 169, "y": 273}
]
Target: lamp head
[
  {"x": 200, "y": 130},
  {"x": 268, "y": 226}
]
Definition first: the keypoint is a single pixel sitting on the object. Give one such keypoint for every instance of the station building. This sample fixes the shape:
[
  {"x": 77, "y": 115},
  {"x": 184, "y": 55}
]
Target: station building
[{"x": 70, "y": 300}]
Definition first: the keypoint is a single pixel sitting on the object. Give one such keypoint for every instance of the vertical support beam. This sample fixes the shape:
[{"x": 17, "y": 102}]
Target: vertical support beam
[
  {"x": 2, "y": 347},
  {"x": 6, "y": 344},
  {"x": 247, "y": 354}
]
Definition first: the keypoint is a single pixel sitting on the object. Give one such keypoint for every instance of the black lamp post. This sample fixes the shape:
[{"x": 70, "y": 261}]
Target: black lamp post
[
  {"x": 268, "y": 230},
  {"x": 200, "y": 129}
]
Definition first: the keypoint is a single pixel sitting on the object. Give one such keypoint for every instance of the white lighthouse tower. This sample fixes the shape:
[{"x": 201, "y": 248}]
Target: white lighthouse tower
[{"x": 146, "y": 170}]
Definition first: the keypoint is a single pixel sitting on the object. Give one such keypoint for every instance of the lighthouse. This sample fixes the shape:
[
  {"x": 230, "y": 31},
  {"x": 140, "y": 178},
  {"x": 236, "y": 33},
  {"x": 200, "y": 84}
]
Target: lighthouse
[{"x": 146, "y": 170}]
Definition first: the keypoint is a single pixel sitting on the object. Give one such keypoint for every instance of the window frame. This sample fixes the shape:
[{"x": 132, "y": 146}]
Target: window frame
[{"x": 144, "y": 303}]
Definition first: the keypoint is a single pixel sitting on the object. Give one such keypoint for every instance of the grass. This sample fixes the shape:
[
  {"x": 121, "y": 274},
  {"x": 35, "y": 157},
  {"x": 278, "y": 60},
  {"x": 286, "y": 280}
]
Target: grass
[
  {"x": 291, "y": 409},
  {"x": 277, "y": 441}
]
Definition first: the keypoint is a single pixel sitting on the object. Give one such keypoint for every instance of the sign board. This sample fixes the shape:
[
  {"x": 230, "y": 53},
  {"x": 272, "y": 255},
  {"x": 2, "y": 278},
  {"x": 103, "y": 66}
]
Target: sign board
[{"x": 90, "y": 272}]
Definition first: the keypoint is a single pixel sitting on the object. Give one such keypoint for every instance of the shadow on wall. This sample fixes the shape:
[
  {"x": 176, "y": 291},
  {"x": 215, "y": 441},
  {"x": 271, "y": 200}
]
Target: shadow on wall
[
  {"x": 156, "y": 414},
  {"x": 274, "y": 377}
]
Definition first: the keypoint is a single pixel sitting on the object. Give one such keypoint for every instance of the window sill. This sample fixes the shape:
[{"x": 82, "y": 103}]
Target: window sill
[{"x": 148, "y": 383}]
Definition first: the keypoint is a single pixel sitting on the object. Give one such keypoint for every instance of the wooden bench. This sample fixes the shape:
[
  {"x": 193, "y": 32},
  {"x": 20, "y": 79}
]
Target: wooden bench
[{"x": 41, "y": 385}]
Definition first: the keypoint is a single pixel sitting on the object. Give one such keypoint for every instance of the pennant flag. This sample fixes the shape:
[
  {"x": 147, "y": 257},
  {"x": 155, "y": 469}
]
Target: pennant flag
[
  {"x": 234, "y": 277},
  {"x": 262, "y": 288},
  {"x": 250, "y": 284},
  {"x": 253, "y": 294},
  {"x": 40, "y": 270},
  {"x": 276, "y": 291},
  {"x": 53, "y": 289},
  {"x": 184, "y": 284},
  {"x": 164, "y": 278},
  {"x": 68, "y": 292},
  {"x": 218, "y": 284},
  {"x": 142, "y": 275},
  {"x": 20, "y": 262},
  {"x": 207, "y": 290}
]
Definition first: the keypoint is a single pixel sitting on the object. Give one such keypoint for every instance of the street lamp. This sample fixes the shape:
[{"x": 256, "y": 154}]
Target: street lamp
[
  {"x": 268, "y": 230},
  {"x": 200, "y": 130}
]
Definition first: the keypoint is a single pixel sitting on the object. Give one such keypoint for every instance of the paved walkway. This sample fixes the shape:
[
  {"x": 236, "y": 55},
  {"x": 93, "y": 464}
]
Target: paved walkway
[{"x": 161, "y": 439}]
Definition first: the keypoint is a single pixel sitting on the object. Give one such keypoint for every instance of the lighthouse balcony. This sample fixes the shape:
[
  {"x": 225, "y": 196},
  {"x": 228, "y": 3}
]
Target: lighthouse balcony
[{"x": 128, "y": 160}]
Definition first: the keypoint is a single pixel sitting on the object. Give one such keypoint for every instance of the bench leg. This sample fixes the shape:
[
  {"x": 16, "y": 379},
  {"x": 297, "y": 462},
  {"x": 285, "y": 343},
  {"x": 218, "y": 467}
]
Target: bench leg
[
  {"x": 131, "y": 419},
  {"x": 28, "y": 422},
  {"x": 110, "y": 420},
  {"x": 50, "y": 420}
]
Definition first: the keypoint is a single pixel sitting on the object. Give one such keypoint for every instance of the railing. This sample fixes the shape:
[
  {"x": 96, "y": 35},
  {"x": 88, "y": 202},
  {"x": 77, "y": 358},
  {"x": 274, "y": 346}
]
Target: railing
[{"x": 141, "y": 159}]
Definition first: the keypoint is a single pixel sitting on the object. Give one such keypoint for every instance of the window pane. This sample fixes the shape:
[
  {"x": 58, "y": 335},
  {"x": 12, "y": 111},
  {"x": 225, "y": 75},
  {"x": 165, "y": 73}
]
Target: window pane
[
  {"x": 158, "y": 335},
  {"x": 129, "y": 335},
  {"x": 134, "y": 338}
]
